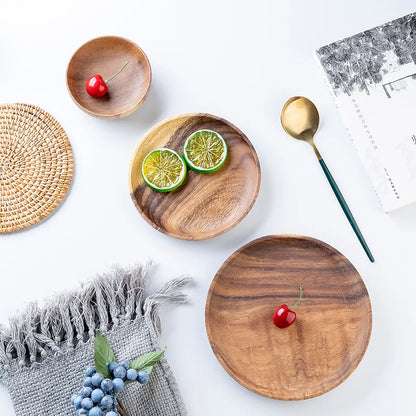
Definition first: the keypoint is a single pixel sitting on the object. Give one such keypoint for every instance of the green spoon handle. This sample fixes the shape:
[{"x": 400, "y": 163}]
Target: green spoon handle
[{"x": 346, "y": 209}]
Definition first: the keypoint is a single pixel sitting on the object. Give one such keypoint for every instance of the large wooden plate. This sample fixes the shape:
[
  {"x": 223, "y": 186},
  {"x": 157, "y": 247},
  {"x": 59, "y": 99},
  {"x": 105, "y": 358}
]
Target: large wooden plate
[
  {"x": 207, "y": 204},
  {"x": 326, "y": 342}
]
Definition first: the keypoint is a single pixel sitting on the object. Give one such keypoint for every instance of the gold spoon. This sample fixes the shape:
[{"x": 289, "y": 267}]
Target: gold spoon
[{"x": 300, "y": 119}]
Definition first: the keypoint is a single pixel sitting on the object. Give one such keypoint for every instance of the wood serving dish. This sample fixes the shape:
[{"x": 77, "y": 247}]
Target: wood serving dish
[
  {"x": 105, "y": 56},
  {"x": 207, "y": 204},
  {"x": 322, "y": 347}
]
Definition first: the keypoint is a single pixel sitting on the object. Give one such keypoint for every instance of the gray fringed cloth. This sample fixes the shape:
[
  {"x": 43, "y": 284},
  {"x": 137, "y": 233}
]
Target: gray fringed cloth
[{"x": 45, "y": 351}]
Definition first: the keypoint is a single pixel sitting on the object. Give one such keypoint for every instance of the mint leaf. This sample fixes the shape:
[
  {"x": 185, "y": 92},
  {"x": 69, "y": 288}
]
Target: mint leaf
[
  {"x": 147, "y": 361},
  {"x": 103, "y": 355}
]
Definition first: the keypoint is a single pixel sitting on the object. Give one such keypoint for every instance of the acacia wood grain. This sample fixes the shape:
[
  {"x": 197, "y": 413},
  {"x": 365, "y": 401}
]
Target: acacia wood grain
[
  {"x": 207, "y": 204},
  {"x": 322, "y": 347},
  {"x": 105, "y": 56}
]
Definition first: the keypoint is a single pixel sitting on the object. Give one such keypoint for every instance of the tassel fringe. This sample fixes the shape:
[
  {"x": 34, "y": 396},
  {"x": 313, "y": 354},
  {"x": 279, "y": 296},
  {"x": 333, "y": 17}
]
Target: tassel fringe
[{"x": 70, "y": 319}]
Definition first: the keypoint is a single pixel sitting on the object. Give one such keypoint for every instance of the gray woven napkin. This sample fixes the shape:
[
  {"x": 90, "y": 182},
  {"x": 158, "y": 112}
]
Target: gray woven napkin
[{"x": 45, "y": 351}]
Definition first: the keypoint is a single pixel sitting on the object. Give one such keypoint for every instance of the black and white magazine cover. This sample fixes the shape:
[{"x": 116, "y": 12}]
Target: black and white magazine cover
[{"x": 373, "y": 79}]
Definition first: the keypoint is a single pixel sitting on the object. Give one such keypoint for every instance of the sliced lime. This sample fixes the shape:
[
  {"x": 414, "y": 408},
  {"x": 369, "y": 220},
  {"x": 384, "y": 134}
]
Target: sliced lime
[
  {"x": 205, "y": 151},
  {"x": 163, "y": 170}
]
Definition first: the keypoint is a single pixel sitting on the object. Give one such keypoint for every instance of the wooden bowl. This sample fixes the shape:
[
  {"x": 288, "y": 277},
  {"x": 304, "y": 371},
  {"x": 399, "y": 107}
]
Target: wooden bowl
[
  {"x": 207, "y": 204},
  {"x": 325, "y": 343},
  {"x": 105, "y": 56}
]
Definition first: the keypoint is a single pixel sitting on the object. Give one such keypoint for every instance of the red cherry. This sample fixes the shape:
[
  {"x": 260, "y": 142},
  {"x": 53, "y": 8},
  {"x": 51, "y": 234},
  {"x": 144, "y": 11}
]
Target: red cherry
[
  {"x": 96, "y": 86},
  {"x": 284, "y": 316}
]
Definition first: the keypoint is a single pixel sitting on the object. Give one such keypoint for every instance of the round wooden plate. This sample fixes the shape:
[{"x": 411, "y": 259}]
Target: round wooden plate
[
  {"x": 323, "y": 346},
  {"x": 207, "y": 204},
  {"x": 105, "y": 56}
]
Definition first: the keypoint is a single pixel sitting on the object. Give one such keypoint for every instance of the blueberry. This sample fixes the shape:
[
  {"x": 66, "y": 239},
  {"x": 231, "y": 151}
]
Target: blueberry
[
  {"x": 143, "y": 377},
  {"x": 106, "y": 385},
  {"x": 96, "y": 411},
  {"x": 131, "y": 374},
  {"x": 82, "y": 412},
  {"x": 119, "y": 372},
  {"x": 118, "y": 384},
  {"x": 87, "y": 382},
  {"x": 107, "y": 402},
  {"x": 86, "y": 392},
  {"x": 112, "y": 413},
  {"x": 77, "y": 401},
  {"x": 97, "y": 395},
  {"x": 112, "y": 366},
  {"x": 125, "y": 364},
  {"x": 90, "y": 371},
  {"x": 87, "y": 403},
  {"x": 96, "y": 379}
]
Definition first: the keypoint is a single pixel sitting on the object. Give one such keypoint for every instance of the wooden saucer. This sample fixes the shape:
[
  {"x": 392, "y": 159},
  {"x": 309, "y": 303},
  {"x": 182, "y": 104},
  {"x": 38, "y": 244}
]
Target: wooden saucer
[
  {"x": 206, "y": 204},
  {"x": 105, "y": 56},
  {"x": 323, "y": 346}
]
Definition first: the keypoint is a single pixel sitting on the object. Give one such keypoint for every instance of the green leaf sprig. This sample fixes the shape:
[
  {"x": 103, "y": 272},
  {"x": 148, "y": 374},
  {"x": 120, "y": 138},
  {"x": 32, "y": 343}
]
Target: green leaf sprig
[
  {"x": 147, "y": 361},
  {"x": 104, "y": 355}
]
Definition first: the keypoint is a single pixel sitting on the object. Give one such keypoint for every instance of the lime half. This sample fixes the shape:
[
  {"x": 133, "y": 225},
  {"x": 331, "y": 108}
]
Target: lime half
[
  {"x": 163, "y": 170},
  {"x": 205, "y": 151}
]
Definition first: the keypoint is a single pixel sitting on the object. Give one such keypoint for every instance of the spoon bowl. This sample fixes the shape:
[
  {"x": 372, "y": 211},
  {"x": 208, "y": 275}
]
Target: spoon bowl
[{"x": 300, "y": 118}]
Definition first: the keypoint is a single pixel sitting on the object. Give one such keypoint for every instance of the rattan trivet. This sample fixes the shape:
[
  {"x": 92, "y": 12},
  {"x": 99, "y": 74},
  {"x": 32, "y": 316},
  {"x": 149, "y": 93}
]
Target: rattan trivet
[{"x": 36, "y": 165}]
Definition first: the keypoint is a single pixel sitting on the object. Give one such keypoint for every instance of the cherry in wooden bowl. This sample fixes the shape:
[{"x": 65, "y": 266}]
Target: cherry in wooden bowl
[
  {"x": 325, "y": 343},
  {"x": 105, "y": 56},
  {"x": 206, "y": 204}
]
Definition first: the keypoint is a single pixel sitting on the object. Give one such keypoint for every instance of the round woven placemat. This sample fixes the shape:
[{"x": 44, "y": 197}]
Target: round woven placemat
[{"x": 36, "y": 165}]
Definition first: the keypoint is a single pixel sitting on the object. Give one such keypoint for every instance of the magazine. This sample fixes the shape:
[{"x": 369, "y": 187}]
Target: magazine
[{"x": 372, "y": 77}]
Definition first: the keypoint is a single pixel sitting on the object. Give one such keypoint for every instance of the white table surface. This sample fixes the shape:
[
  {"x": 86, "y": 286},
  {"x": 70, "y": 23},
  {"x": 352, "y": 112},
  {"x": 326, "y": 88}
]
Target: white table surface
[{"x": 240, "y": 60}]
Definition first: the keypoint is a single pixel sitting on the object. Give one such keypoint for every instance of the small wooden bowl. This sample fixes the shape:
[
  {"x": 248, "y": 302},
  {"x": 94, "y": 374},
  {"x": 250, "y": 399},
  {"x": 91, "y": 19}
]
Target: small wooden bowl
[
  {"x": 325, "y": 343},
  {"x": 105, "y": 56},
  {"x": 206, "y": 204}
]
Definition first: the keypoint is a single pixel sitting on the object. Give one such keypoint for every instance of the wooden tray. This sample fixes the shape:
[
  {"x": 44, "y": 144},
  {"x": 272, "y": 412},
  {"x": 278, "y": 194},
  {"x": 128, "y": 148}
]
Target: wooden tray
[
  {"x": 207, "y": 204},
  {"x": 326, "y": 342},
  {"x": 105, "y": 56}
]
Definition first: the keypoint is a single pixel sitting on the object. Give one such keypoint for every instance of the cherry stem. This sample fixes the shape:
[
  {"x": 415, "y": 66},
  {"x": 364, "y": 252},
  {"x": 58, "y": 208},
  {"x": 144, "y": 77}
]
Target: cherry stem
[
  {"x": 113, "y": 76},
  {"x": 300, "y": 297}
]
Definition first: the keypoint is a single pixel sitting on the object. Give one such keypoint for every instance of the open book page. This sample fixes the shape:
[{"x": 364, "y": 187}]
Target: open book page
[{"x": 373, "y": 79}]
